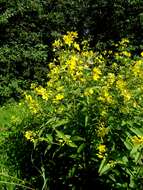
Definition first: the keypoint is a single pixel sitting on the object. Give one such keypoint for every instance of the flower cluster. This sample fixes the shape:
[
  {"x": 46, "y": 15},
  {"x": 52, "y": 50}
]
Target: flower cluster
[
  {"x": 90, "y": 96},
  {"x": 137, "y": 140},
  {"x": 29, "y": 135},
  {"x": 138, "y": 68},
  {"x": 121, "y": 85},
  {"x": 102, "y": 150},
  {"x": 32, "y": 104},
  {"x": 67, "y": 39}
]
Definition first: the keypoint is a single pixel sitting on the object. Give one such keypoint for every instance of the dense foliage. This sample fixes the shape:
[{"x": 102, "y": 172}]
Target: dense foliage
[
  {"x": 71, "y": 102},
  {"x": 86, "y": 120},
  {"x": 27, "y": 29}
]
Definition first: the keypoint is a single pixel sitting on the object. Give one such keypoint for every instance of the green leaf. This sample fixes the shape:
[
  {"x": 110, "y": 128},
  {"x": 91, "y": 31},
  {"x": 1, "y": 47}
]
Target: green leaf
[
  {"x": 137, "y": 156},
  {"x": 141, "y": 18},
  {"x": 61, "y": 123},
  {"x": 86, "y": 120},
  {"x": 104, "y": 167},
  {"x": 80, "y": 148},
  {"x": 49, "y": 138},
  {"x": 138, "y": 132},
  {"x": 71, "y": 171},
  {"x": 61, "y": 135},
  {"x": 134, "y": 150},
  {"x": 77, "y": 138},
  {"x": 74, "y": 156},
  {"x": 66, "y": 138},
  {"x": 125, "y": 159},
  {"x": 71, "y": 144},
  {"x": 128, "y": 144}
]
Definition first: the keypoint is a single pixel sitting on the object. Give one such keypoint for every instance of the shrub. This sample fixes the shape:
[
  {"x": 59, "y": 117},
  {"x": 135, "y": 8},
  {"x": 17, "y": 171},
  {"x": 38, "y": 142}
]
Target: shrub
[
  {"x": 85, "y": 125},
  {"x": 27, "y": 29}
]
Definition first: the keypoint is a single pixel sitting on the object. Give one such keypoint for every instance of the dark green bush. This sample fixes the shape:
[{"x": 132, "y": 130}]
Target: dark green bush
[{"x": 27, "y": 29}]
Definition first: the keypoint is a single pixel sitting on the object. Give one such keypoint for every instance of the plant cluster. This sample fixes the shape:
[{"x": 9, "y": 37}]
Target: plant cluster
[
  {"x": 86, "y": 119},
  {"x": 27, "y": 29}
]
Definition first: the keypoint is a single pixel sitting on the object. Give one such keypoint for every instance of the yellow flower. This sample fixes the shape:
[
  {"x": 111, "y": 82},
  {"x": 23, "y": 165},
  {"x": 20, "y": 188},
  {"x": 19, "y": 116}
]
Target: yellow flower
[
  {"x": 96, "y": 77},
  {"x": 29, "y": 135},
  {"x": 87, "y": 53},
  {"x": 82, "y": 80},
  {"x": 126, "y": 94},
  {"x": 142, "y": 53},
  {"x": 73, "y": 34},
  {"x": 97, "y": 70},
  {"x": 55, "y": 70},
  {"x": 105, "y": 96},
  {"x": 84, "y": 53},
  {"x": 69, "y": 38},
  {"x": 111, "y": 78},
  {"x": 32, "y": 104},
  {"x": 72, "y": 62},
  {"x": 42, "y": 91},
  {"x": 51, "y": 65},
  {"x": 57, "y": 44},
  {"x": 96, "y": 73},
  {"x": 102, "y": 150},
  {"x": 100, "y": 98},
  {"x": 116, "y": 54},
  {"x": 79, "y": 74},
  {"x": 103, "y": 113},
  {"x": 138, "y": 140},
  {"x": 60, "y": 88},
  {"x": 33, "y": 86},
  {"x": 135, "y": 104},
  {"x": 88, "y": 92},
  {"x": 59, "y": 97},
  {"x": 120, "y": 84},
  {"x": 28, "y": 98},
  {"x": 128, "y": 54},
  {"x": 76, "y": 46},
  {"x": 137, "y": 68},
  {"x": 124, "y": 41},
  {"x": 60, "y": 109},
  {"x": 50, "y": 83},
  {"x": 100, "y": 156},
  {"x": 102, "y": 131}
]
